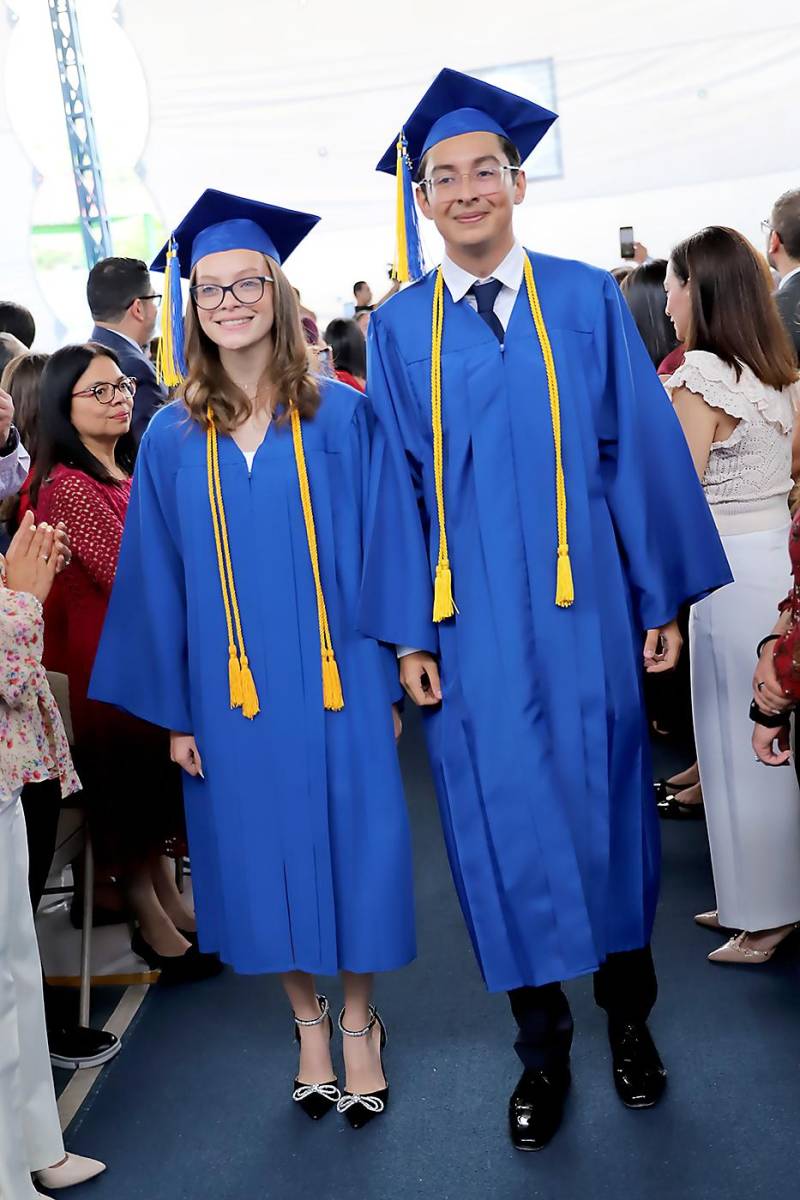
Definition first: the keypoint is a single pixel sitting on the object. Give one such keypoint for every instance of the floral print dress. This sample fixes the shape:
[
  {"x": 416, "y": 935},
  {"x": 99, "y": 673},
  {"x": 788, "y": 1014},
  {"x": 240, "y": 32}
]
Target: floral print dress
[{"x": 33, "y": 744}]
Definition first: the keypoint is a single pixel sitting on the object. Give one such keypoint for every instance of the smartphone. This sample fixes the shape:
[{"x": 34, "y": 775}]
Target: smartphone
[{"x": 626, "y": 242}]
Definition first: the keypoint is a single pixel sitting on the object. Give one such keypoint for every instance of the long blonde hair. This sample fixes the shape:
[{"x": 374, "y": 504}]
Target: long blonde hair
[{"x": 209, "y": 386}]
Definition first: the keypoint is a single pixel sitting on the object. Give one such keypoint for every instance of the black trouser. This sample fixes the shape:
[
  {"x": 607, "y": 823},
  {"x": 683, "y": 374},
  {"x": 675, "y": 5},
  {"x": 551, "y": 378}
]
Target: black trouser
[
  {"x": 625, "y": 986},
  {"x": 42, "y": 805}
]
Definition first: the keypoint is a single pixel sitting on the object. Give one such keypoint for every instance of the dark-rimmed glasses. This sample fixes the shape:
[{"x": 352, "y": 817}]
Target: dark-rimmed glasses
[
  {"x": 247, "y": 291},
  {"x": 106, "y": 393},
  {"x": 154, "y": 296}
]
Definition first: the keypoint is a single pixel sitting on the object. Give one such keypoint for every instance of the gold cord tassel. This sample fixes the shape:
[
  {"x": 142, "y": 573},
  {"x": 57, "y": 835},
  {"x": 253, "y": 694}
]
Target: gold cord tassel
[
  {"x": 234, "y": 678},
  {"x": 443, "y": 603},
  {"x": 250, "y": 706},
  {"x": 332, "y": 697},
  {"x": 241, "y": 685},
  {"x": 565, "y": 590}
]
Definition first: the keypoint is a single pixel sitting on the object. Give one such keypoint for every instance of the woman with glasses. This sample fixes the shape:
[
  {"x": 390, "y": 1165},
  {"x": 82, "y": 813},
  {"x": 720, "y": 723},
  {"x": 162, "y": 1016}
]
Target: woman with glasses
[
  {"x": 82, "y": 478},
  {"x": 234, "y": 625}
]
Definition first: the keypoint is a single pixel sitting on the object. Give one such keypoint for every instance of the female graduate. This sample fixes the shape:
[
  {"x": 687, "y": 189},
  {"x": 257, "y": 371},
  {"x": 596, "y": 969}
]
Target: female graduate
[{"x": 232, "y": 624}]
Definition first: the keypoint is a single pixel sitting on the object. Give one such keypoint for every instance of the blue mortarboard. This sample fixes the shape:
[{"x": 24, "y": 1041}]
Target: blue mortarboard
[
  {"x": 221, "y": 221},
  {"x": 217, "y": 221},
  {"x": 454, "y": 104}
]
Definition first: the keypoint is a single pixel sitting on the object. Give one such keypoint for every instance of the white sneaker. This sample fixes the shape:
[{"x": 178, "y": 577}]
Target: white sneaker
[{"x": 75, "y": 1169}]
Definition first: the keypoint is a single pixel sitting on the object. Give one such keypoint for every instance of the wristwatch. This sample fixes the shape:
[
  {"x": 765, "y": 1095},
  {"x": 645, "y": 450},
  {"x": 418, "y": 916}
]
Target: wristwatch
[{"x": 12, "y": 441}]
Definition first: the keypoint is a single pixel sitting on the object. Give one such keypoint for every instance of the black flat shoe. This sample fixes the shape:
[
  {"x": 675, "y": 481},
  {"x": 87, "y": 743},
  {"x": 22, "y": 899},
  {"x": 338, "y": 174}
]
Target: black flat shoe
[
  {"x": 639, "y": 1074},
  {"x": 316, "y": 1099},
  {"x": 536, "y": 1107},
  {"x": 188, "y": 967},
  {"x": 670, "y": 808},
  {"x": 360, "y": 1109}
]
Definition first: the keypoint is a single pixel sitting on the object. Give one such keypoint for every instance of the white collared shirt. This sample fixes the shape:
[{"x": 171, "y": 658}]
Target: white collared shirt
[
  {"x": 786, "y": 278},
  {"x": 509, "y": 273}
]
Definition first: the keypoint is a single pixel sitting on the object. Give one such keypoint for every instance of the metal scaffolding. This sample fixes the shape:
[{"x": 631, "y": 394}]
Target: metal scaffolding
[{"x": 80, "y": 132}]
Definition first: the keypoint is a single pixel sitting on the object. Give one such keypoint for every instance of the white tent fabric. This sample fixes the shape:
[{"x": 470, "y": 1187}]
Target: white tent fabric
[{"x": 670, "y": 119}]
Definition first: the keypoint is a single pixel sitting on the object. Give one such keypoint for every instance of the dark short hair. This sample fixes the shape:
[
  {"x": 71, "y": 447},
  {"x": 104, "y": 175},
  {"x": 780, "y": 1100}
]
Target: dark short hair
[
  {"x": 59, "y": 443},
  {"x": 506, "y": 145},
  {"x": 362, "y": 283},
  {"x": 786, "y": 221},
  {"x": 17, "y": 320},
  {"x": 643, "y": 288},
  {"x": 733, "y": 314},
  {"x": 114, "y": 284},
  {"x": 348, "y": 345}
]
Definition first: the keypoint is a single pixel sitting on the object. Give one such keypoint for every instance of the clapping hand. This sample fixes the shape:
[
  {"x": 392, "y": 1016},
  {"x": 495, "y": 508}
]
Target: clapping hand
[{"x": 35, "y": 556}]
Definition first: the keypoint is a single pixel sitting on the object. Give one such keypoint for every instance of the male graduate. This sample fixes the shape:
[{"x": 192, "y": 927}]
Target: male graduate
[{"x": 536, "y": 525}]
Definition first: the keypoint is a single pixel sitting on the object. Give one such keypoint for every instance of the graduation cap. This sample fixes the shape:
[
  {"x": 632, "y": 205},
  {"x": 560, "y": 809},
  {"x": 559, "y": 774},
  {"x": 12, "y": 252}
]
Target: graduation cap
[
  {"x": 454, "y": 104},
  {"x": 217, "y": 221}
]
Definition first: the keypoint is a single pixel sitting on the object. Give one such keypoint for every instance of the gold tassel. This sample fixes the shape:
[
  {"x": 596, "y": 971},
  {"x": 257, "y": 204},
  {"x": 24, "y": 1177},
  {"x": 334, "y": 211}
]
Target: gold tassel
[
  {"x": 565, "y": 590},
  {"x": 241, "y": 685},
  {"x": 332, "y": 697},
  {"x": 234, "y": 678},
  {"x": 250, "y": 706},
  {"x": 443, "y": 605}
]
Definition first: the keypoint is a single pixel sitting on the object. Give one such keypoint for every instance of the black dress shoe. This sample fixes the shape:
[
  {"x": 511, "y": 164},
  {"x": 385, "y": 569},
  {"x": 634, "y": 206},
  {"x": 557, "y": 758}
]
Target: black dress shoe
[
  {"x": 181, "y": 968},
  {"x": 639, "y": 1074},
  {"x": 536, "y": 1107},
  {"x": 75, "y": 1046},
  {"x": 316, "y": 1099}
]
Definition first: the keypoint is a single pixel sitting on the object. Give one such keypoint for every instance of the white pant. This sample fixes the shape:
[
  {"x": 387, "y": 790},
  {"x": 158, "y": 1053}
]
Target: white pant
[{"x": 30, "y": 1133}]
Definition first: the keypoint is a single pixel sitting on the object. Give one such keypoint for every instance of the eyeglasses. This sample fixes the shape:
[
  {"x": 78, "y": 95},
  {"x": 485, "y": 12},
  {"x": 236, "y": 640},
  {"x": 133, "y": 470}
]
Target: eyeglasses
[
  {"x": 247, "y": 291},
  {"x": 767, "y": 226},
  {"x": 106, "y": 393},
  {"x": 483, "y": 180},
  {"x": 154, "y": 296}
]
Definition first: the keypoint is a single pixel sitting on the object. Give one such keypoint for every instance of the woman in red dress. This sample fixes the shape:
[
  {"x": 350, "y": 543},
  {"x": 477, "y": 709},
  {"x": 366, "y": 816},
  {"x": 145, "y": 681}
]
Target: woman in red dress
[{"x": 83, "y": 477}]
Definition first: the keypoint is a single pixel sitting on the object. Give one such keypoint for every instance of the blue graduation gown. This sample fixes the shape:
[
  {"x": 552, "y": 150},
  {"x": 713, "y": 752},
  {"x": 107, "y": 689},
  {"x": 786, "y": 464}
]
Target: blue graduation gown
[
  {"x": 299, "y": 833},
  {"x": 540, "y": 749}
]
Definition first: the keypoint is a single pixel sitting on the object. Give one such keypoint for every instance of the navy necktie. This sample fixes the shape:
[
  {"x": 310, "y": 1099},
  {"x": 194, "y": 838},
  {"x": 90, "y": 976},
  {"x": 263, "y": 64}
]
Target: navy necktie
[{"x": 485, "y": 295}]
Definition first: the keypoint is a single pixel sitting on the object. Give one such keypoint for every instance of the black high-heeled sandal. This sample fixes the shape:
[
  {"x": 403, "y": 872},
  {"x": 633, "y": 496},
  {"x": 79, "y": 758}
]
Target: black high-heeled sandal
[
  {"x": 360, "y": 1109},
  {"x": 316, "y": 1099}
]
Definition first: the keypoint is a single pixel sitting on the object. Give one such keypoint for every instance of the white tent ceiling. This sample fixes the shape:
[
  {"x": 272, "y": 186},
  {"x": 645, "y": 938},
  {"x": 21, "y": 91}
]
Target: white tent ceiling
[{"x": 670, "y": 119}]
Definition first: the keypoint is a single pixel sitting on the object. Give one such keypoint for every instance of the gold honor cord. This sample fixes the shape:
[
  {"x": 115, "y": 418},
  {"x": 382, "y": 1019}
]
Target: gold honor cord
[
  {"x": 241, "y": 684},
  {"x": 443, "y": 603},
  {"x": 332, "y": 697}
]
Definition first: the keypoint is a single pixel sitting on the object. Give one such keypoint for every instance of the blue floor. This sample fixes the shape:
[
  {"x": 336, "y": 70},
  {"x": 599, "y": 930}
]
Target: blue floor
[{"x": 197, "y": 1105}]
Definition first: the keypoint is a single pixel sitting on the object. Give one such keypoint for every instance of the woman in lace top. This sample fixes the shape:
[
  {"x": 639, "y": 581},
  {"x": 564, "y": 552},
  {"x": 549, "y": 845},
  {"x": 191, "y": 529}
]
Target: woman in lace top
[
  {"x": 735, "y": 395},
  {"x": 82, "y": 477}
]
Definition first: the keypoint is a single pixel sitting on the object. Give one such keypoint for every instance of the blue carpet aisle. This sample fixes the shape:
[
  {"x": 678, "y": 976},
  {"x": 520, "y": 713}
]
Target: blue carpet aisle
[{"x": 197, "y": 1105}]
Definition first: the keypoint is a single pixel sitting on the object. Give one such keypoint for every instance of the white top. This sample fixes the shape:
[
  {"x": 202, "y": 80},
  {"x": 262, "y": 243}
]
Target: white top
[
  {"x": 749, "y": 475},
  {"x": 509, "y": 273},
  {"x": 249, "y": 456}
]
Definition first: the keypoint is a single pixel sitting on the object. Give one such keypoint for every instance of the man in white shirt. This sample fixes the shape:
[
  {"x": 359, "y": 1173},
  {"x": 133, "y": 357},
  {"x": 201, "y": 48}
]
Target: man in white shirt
[{"x": 783, "y": 252}]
